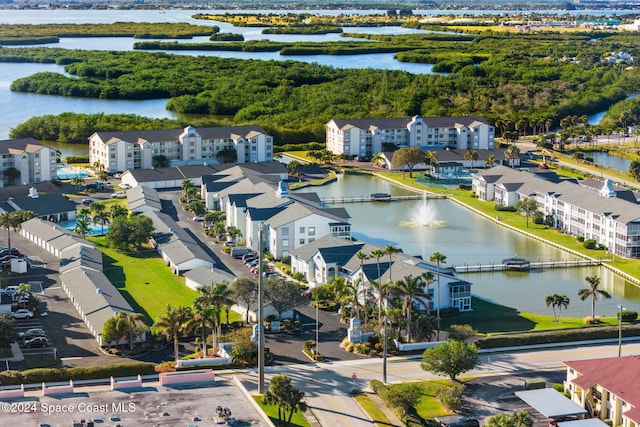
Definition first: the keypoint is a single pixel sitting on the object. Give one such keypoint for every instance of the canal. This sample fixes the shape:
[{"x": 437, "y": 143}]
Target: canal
[{"x": 421, "y": 227}]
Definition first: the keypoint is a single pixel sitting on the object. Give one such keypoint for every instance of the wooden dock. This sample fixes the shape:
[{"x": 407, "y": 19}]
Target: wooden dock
[
  {"x": 368, "y": 198},
  {"x": 539, "y": 265}
]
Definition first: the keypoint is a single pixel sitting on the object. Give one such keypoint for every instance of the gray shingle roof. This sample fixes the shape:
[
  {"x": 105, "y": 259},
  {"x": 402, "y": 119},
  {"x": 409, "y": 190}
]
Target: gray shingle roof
[
  {"x": 45, "y": 204},
  {"x": 397, "y": 123},
  {"x": 80, "y": 256},
  {"x": 206, "y": 276},
  {"x": 143, "y": 196},
  {"x": 58, "y": 237},
  {"x": 136, "y": 136}
]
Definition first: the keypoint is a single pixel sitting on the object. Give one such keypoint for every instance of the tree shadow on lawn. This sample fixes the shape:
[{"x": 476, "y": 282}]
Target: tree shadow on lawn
[
  {"x": 115, "y": 274},
  {"x": 490, "y": 317}
]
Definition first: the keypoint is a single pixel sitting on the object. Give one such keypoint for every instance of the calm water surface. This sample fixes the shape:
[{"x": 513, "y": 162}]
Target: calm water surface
[{"x": 467, "y": 238}]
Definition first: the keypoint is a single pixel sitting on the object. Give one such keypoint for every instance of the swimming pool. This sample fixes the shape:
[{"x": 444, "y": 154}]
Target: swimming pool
[
  {"x": 68, "y": 172},
  {"x": 95, "y": 229}
]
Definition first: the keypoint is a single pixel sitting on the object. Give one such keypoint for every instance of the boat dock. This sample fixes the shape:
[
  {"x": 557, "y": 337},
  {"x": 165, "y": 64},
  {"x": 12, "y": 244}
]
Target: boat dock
[
  {"x": 539, "y": 265},
  {"x": 378, "y": 198}
]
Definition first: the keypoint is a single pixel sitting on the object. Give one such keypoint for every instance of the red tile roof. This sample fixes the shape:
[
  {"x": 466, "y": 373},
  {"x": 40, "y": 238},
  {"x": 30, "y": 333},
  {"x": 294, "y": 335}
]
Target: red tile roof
[{"x": 619, "y": 375}]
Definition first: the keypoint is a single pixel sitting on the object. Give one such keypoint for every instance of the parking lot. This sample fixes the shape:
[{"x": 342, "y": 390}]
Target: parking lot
[
  {"x": 67, "y": 335},
  {"x": 147, "y": 406}
]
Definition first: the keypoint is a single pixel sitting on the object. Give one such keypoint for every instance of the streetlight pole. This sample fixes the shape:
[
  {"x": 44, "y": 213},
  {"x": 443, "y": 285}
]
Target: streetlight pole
[
  {"x": 315, "y": 290},
  {"x": 384, "y": 351},
  {"x": 260, "y": 311},
  {"x": 620, "y": 329}
]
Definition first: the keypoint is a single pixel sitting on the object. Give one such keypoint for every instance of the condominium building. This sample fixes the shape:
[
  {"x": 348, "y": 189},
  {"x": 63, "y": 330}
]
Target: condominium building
[
  {"x": 34, "y": 162},
  {"x": 366, "y": 137},
  {"x": 121, "y": 151},
  {"x": 594, "y": 209}
]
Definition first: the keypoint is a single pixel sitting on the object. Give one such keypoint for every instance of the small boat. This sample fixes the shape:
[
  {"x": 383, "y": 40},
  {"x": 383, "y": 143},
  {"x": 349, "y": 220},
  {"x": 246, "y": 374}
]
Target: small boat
[
  {"x": 381, "y": 197},
  {"x": 517, "y": 264}
]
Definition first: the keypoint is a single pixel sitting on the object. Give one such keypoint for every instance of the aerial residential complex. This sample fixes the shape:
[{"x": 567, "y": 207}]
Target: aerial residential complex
[
  {"x": 121, "y": 151},
  {"x": 35, "y": 162},
  {"x": 597, "y": 210},
  {"x": 365, "y": 137}
]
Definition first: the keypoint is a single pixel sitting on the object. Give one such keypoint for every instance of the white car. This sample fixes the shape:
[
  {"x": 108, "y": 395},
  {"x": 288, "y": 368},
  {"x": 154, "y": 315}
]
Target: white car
[
  {"x": 119, "y": 195},
  {"x": 22, "y": 313},
  {"x": 125, "y": 186}
]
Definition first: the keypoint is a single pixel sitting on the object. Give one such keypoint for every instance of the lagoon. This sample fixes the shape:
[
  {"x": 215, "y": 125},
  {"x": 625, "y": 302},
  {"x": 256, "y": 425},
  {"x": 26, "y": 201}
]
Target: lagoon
[{"x": 465, "y": 237}]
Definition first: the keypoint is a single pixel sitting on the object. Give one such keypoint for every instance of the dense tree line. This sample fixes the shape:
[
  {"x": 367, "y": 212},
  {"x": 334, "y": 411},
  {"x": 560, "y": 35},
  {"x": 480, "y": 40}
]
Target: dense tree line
[
  {"x": 118, "y": 29},
  {"x": 504, "y": 77}
]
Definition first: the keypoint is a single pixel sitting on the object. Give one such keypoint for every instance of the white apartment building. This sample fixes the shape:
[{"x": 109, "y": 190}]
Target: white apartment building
[
  {"x": 35, "y": 162},
  {"x": 597, "y": 210},
  {"x": 121, "y": 151},
  {"x": 365, "y": 137}
]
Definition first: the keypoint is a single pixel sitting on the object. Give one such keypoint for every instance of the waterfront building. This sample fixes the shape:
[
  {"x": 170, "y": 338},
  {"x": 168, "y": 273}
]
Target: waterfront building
[
  {"x": 607, "y": 388},
  {"x": 365, "y": 137},
  {"x": 594, "y": 209},
  {"x": 126, "y": 150},
  {"x": 34, "y": 162},
  {"x": 324, "y": 259}
]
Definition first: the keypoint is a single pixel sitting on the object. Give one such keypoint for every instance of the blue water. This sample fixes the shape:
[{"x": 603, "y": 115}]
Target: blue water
[
  {"x": 68, "y": 172},
  {"x": 95, "y": 229}
]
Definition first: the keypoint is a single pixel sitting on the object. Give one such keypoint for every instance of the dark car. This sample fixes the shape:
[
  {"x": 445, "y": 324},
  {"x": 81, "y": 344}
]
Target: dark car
[
  {"x": 5, "y": 251},
  {"x": 31, "y": 333},
  {"x": 36, "y": 342}
]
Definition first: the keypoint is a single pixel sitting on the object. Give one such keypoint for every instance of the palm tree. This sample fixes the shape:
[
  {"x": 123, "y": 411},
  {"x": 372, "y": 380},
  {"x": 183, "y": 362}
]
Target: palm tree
[
  {"x": 97, "y": 166},
  {"x": 83, "y": 226},
  {"x": 233, "y": 233},
  {"x": 512, "y": 152},
  {"x": 101, "y": 218},
  {"x": 130, "y": 325},
  {"x": 593, "y": 292},
  {"x": 349, "y": 295},
  {"x": 379, "y": 160},
  {"x": 489, "y": 161},
  {"x": 552, "y": 300},
  {"x": 216, "y": 295},
  {"x": 377, "y": 254},
  {"x": 78, "y": 181},
  {"x": 562, "y": 301},
  {"x": 472, "y": 156},
  {"x": 117, "y": 211},
  {"x": 9, "y": 220},
  {"x": 361, "y": 257},
  {"x": 203, "y": 317},
  {"x": 409, "y": 289},
  {"x": 390, "y": 250},
  {"x": 175, "y": 322},
  {"x": 438, "y": 258}
]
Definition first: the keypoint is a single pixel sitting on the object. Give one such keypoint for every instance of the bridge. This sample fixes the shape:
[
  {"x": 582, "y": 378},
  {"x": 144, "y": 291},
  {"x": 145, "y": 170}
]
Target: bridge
[
  {"x": 540, "y": 265},
  {"x": 370, "y": 198}
]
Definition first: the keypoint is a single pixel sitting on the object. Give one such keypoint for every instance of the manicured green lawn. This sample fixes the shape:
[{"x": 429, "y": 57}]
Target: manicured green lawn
[
  {"x": 378, "y": 417},
  {"x": 145, "y": 281},
  {"x": 429, "y": 406},
  {"x": 272, "y": 412}
]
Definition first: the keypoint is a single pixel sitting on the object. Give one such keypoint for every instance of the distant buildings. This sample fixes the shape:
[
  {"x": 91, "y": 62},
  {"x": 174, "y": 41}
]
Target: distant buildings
[
  {"x": 366, "y": 137},
  {"x": 121, "y": 151},
  {"x": 594, "y": 209},
  {"x": 33, "y": 161}
]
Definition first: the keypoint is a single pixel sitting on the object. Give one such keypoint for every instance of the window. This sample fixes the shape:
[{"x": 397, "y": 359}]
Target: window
[
  {"x": 302, "y": 230},
  {"x": 302, "y": 241},
  {"x": 285, "y": 243},
  {"x": 311, "y": 231},
  {"x": 285, "y": 231}
]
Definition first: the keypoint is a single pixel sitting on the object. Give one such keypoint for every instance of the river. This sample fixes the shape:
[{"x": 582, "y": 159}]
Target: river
[{"x": 467, "y": 238}]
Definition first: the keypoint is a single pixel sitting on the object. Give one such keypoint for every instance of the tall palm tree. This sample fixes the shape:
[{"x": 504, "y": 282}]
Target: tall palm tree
[
  {"x": 12, "y": 220},
  {"x": 78, "y": 181},
  {"x": 130, "y": 325},
  {"x": 203, "y": 316},
  {"x": 472, "y": 156},
  {"x": 439, "y": 259},
  {"x": 593, "y": 292},
  {"x": 383, "y": 290},
  {"x": 410, "y": 288},
  {"x": 489, "y": 161},
  {"x": 349, "y": 295},
  {"x": 562, "y": 302},
  {"x": 512, "y": 152},
  {"x": 362, "y": 257},
  {"x": 552, "y": 300},
  {"x": 101, "y": 218},
  {"x": 216, "y": 295},
  {"x": 175, "y": 322},
  {"x": 377, "y": 254},
  {"x": 390, "y": 250}
]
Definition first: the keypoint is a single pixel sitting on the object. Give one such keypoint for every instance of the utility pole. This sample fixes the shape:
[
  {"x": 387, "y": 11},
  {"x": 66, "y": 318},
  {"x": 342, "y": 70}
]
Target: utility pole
[
  {"x": 620, "y": 329},
  {"x": 384, "y": 351},
  {"x": 260, "y": 310}
]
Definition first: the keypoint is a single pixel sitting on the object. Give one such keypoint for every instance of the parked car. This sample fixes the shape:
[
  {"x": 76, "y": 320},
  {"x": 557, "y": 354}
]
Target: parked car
[
  {"x": 5, "y": 251},
  {"x": 37, "y": 342},
  {"x": 6, "y": 260},
  {"x": 250, "y": 254},
  {"x": 32, "y": 333},
  {"x": 22, "y": 313},
  {"x": 118, "y": 195},
  {"x": 249, "y": 259},
  {"x": 124, "y": 186},
  {"x": 198, "y": 218},
  {"x": 87, "y": 201}
]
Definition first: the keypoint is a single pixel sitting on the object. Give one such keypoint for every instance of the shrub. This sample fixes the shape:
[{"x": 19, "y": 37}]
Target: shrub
[
  {"x": 534, "y": 384},
  {"x": 538, "y": 220},
  {"x": 590, "y": 244},
  {"x": 40, "y": 375},
  {"x": 580, "y": 238},
  {"x": 608, "y": 422},
  {"x": 451, "y": 397},
  {"x": 627, "y": 316},
  {"x": 377, "y": 386},
  {"x": 558, "y": 387},
  {"x": 461, "y": 332},
  {"x": 464, "y": 186},
  {"x": 350, "y": 348},
  {"x": 501, "y": 208}
]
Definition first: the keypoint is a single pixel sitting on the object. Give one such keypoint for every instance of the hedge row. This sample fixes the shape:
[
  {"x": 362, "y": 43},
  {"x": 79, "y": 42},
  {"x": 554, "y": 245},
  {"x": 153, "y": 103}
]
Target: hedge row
[
  {"x": 566, "y": 335},
  {"x": 35, "y": 376}
]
